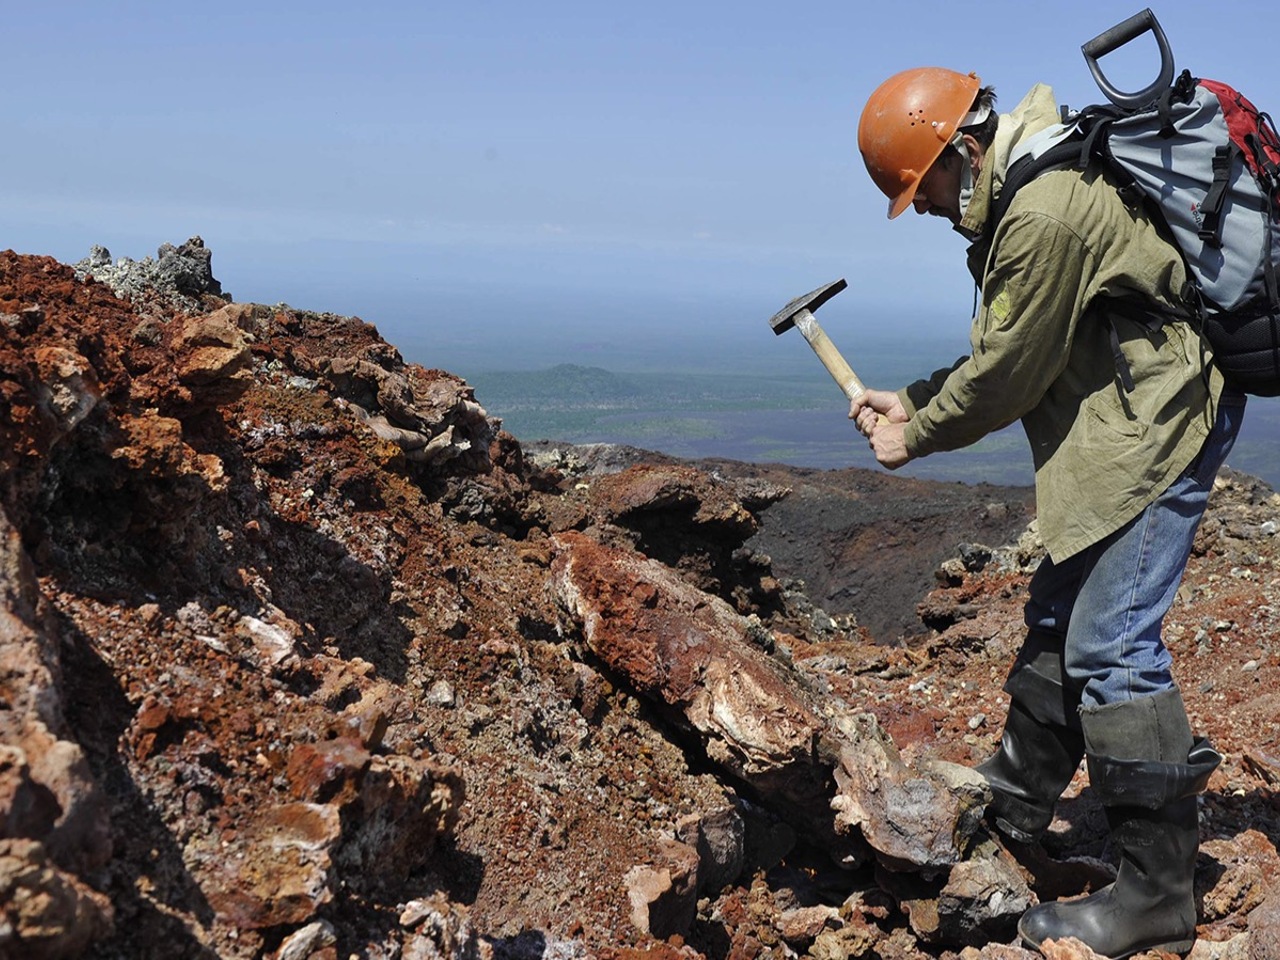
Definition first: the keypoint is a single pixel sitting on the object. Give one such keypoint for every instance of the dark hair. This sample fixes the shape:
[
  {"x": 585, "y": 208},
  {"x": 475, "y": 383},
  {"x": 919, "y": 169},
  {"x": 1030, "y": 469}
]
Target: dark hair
[{"x": 984, "y": 132}]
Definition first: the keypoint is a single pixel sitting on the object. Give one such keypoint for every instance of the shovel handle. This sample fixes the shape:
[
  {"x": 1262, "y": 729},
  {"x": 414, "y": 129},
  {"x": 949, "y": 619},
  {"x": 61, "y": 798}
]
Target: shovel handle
[{"x": 1117, "y": 37}]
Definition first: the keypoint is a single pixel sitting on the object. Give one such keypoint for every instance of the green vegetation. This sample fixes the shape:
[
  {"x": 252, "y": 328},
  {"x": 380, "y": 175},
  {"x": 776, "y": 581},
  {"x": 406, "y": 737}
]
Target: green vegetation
[{"x": 566, "y": 386}]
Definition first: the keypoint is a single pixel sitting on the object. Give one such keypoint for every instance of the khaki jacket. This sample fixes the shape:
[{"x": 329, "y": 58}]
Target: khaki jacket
[{"x": 1068, "y": 255}]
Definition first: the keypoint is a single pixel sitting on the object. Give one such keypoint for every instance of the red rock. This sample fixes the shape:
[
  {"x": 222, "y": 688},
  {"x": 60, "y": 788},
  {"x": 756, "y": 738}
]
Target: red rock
[
  {"x": 687, "y": 650},
  {"x": 278, "y": 869},
  {"x": 327, "y": 772}
]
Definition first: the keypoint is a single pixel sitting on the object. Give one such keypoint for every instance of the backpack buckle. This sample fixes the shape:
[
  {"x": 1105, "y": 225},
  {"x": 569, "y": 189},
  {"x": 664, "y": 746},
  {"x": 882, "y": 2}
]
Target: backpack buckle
[{"x": 1131, "y": 194}]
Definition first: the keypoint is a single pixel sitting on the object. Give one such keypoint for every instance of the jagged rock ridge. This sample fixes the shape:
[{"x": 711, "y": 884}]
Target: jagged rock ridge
[{"x": 304, "y": 657}]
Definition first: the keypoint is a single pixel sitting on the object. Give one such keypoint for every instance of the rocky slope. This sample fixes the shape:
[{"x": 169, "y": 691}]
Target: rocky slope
[{"x": 305, "y": 657}]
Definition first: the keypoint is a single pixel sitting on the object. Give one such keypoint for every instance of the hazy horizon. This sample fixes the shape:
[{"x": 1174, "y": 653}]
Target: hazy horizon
[
  {"x": 500, "y": 184},
  {"x": 636, "y": 186}
]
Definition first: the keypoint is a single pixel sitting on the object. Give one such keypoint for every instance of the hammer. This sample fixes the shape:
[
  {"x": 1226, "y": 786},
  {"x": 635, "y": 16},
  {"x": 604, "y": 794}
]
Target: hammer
[{"x": 799, "y": 313}]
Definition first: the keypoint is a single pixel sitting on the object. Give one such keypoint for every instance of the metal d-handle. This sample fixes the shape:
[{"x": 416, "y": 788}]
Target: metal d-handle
[{"x": 1117, "y": 37}]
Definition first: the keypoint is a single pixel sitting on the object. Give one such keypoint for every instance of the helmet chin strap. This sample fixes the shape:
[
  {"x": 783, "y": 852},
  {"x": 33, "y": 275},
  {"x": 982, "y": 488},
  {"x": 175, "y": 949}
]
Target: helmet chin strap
[
  {"x": 971, "y": 119},
  {"x": 966, "y": 174}
]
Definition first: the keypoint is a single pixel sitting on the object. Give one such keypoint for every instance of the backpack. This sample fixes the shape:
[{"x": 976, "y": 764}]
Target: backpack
[{"x": 1205, "y": 163}]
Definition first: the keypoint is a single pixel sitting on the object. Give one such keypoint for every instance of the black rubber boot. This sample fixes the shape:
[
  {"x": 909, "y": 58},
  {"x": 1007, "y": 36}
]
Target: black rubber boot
[
  {"x": 1042, "y": 743},
  {"x": 1027, "y": 775},
  {"x": 1147, "y": 770}
]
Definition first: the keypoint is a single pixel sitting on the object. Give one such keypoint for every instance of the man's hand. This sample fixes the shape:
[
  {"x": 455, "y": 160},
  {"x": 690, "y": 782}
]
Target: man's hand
[
  {"x": 871, "y": 405},
  {"x": 882, "y": 419},
  {"x": 889, "y": 445}
]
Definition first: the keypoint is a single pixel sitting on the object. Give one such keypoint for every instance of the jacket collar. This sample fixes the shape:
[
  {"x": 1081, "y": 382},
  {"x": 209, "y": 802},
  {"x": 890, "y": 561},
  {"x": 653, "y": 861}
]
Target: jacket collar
[{"x": 1037, "y": 110}]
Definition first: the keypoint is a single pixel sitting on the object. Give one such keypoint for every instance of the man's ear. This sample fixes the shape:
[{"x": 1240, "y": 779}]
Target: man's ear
[{"x": 977, "y": 153}]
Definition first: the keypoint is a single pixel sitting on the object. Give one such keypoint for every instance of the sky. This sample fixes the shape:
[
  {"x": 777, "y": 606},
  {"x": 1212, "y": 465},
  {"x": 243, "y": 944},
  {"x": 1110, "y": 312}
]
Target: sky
[{"x": 501, "y": 185}]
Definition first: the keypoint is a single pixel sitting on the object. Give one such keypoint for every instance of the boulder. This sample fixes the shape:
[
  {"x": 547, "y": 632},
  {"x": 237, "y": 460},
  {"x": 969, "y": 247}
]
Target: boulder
[
  {"x": 694, "y": 654},
  {"x": 691, "y": 653},
  {"x": 277, "y": 870},
  {"x": 664, "y": 893},
  {"x": 47, "y": 792},
  {"x": 46, "y": 914},
  {"x": 982, "y": 901},
  {"x": 718, "y": 836}
]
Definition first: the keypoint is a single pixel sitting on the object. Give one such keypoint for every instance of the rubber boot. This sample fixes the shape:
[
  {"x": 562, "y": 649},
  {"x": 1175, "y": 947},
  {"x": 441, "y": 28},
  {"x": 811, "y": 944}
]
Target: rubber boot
[
  {"x": 1027, "y": 775},
  {"x": 1147, "y": 770},
  {"x": 1042, "y": 744}
]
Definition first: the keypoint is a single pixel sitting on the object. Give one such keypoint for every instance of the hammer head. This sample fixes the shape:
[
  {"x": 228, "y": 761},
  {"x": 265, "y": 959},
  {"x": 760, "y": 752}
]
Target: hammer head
[{"x": 785, "y": 318}]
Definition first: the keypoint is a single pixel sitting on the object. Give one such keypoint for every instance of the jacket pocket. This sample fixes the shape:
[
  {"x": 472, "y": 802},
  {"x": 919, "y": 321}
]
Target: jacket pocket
[{"x": 1104, "y": 420}]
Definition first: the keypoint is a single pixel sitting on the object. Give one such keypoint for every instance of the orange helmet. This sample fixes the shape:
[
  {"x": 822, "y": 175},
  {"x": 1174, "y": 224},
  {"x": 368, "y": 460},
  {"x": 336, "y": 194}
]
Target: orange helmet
[{"x": 907, "y": 122}]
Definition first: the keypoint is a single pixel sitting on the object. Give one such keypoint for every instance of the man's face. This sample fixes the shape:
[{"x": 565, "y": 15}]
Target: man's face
[{"x": 939, "y": 191}]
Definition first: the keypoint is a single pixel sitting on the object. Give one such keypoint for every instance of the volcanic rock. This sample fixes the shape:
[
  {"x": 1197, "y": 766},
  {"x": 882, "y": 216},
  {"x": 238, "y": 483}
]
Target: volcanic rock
[
  {"x": 305, "y": 656},
  {"x": 48, "y": 914},
  {"x": 181, "y": 276}
]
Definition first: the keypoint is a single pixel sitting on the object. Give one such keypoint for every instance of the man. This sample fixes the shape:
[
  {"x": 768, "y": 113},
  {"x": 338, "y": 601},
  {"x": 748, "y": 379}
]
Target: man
[{"x": 1080, "y": 336}]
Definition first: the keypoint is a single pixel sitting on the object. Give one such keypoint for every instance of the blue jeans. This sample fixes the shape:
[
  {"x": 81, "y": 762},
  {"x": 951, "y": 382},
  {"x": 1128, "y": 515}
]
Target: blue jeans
[{"x": 1109, "y": 600}]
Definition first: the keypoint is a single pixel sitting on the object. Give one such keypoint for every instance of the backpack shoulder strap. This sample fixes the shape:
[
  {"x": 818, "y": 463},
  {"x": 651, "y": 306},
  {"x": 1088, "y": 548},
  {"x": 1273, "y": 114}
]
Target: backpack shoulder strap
[
  {"x": 1072, "y": 146},
  {"x": 1074, "y": 143},
  {"x": 1028, "y": 168}
]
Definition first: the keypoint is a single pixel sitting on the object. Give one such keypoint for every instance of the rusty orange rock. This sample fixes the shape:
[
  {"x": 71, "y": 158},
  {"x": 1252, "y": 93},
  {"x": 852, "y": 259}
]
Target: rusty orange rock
[
  {"x": 278, "y": 870},
  {"x": 327, "y": 772}
]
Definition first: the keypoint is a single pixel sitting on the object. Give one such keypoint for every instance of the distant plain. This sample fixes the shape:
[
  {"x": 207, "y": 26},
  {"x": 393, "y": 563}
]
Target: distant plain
[{"x": 794, "y": 419}]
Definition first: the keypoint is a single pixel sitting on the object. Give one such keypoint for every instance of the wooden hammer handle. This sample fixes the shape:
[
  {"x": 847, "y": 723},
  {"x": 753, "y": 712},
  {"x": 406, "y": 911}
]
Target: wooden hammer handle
[{"x": 840, "y": 371}]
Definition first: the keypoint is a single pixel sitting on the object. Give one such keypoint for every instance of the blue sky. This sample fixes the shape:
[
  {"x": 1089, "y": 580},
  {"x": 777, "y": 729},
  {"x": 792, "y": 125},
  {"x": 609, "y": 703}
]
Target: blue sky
[{"x": 506, "y": 184}]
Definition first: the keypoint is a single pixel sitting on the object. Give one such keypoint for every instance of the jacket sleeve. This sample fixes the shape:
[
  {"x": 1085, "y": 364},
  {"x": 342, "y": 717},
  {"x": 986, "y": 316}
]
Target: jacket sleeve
[
  {"x": 916, "y": 395},
  {"x": 1032, "y": 298}
]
